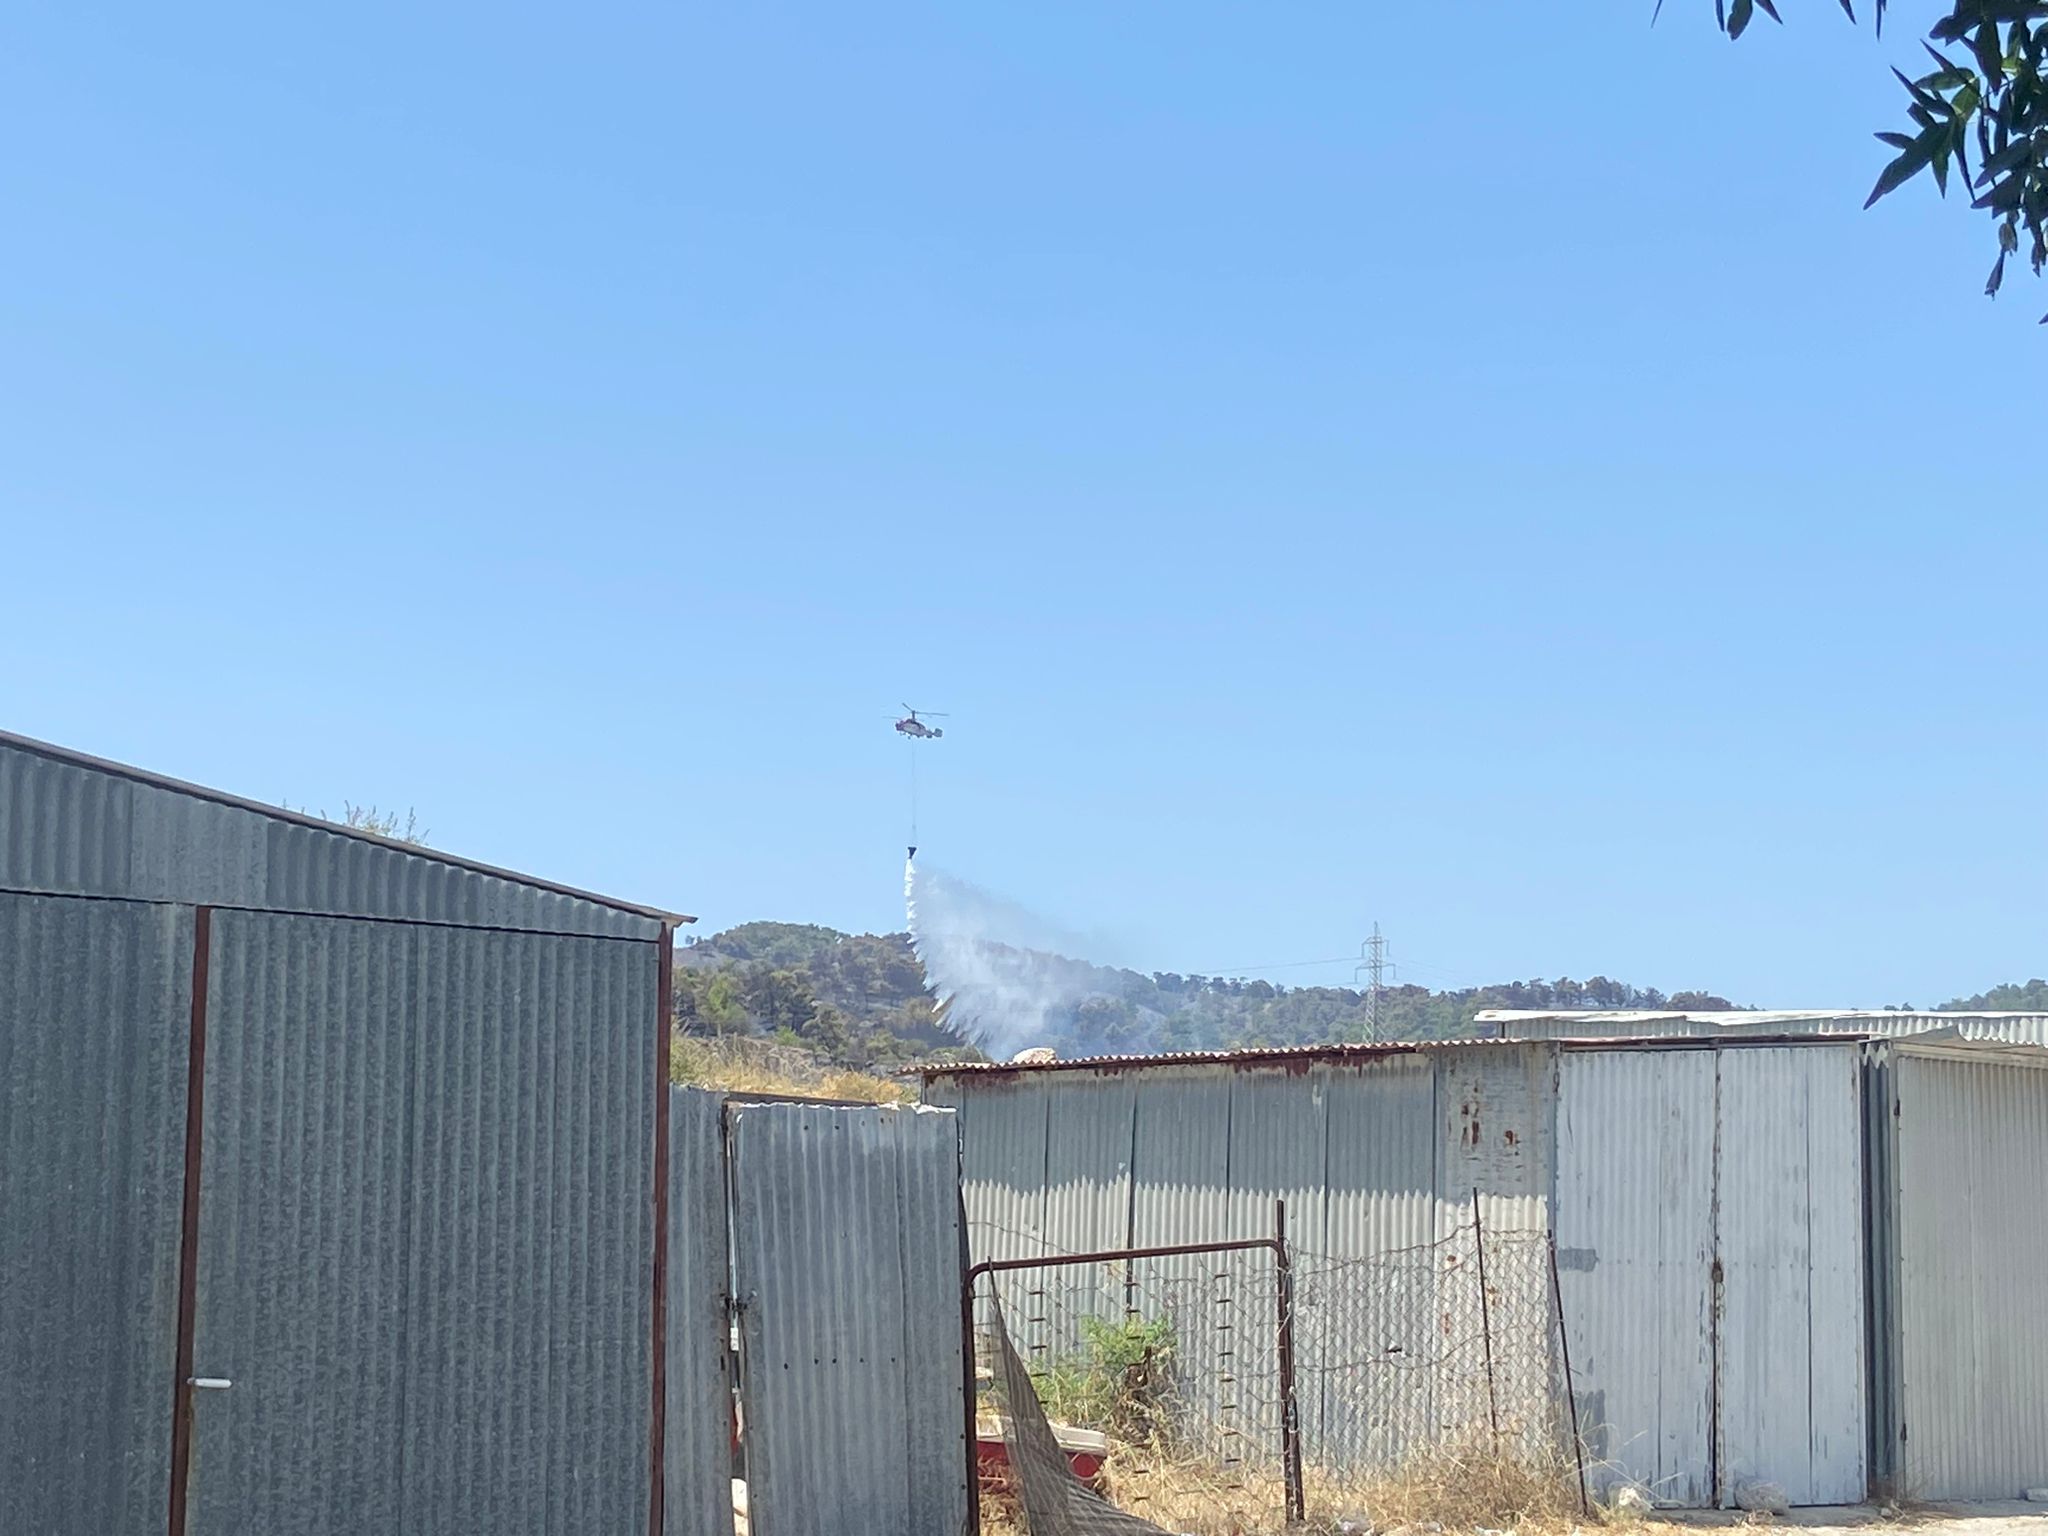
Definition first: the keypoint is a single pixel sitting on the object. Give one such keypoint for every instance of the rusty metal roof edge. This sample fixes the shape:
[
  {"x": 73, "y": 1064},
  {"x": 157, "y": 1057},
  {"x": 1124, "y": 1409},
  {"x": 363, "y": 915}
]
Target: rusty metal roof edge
[
  {"x": 321, "y": 824},
  {"x": 1283, "y": 1055}
]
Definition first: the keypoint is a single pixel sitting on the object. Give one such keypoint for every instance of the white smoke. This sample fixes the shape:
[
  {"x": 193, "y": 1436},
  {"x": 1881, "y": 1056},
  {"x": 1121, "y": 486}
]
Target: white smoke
[{"x": 991, "y": 964}]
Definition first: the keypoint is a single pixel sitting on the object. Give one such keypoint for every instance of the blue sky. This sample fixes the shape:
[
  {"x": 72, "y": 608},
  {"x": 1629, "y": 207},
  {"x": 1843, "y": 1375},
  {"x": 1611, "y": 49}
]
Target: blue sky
[{"x": 1485, "y": 476}]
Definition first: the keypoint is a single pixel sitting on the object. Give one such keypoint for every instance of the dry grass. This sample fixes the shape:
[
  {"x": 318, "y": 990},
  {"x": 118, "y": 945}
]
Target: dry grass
[
  {"x": 1467, "y": 1485},
  {"x": 746, "y": 1066},
  {"x": 1457, "y": 1490}
]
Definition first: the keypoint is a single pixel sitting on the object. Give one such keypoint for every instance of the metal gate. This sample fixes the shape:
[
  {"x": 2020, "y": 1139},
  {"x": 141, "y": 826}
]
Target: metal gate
[
  {"x": 1710, "y": 1252},
  {"x": 848, "y": 1254}
]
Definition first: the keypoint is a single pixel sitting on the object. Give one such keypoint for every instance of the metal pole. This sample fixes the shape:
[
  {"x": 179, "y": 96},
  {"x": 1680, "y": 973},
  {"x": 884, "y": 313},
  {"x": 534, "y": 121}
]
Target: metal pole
[
  {"x": 1486, "y": 1322},
  {"x": 1290, "y": 1411},
  {"x": 1571, "y": 1392},
  {"x": 971, "y": 1386}
]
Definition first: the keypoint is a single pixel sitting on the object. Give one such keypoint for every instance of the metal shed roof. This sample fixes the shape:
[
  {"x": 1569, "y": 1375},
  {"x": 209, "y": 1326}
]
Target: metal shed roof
[
  {"x": 76, "y": 825},
  {"x": 1314, "y": 1055}
]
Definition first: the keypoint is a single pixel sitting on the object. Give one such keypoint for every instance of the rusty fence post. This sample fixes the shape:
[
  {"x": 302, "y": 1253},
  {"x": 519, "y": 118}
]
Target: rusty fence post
[
  {"x": 1486, "y": 1322},
  {"x": 1290, "y": 1408},
  {"x": 1571, "y": 1391}
]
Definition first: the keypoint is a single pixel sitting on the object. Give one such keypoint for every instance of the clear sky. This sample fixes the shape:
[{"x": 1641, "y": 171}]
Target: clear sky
[{"x": 1484, "y": 474}]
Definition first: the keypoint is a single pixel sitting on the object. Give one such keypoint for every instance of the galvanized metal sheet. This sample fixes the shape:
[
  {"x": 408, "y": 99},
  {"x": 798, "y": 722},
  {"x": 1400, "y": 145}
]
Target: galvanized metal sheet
[
  {"x": 1789, "y": 1212},
  {"x": 1180, "y": 1155},
  {"x": 1635, "y": 1234},
  {"x": 1382, "y": 1164},
  {"x": 697, "y": 1442},
  {"x": 848, "y": 1258},
  {"x": 94, "y": 1022},
  {"x": 70, "y": 827},
  {"x": 1088, "y": 1149},
  {"x": 426, "y": 1231},
  {"x": 1002, "y": 1126},
  {"x": 1365, "y": 1304},
  {"x": 1973, "y": 1236}
]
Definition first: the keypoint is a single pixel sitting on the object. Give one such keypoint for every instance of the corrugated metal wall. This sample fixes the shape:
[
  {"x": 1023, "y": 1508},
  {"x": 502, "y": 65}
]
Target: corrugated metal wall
[
  {"x": 697, "y": 1448},
  {"x": 426, "y": 1231},
  {"x": 847, "y": 1239},
  {"x": 94, "y": 1020},
  {"x": 1367, "y": 1165},
  {"x": 1355, "y": 1325},
  {"x": 66, "y": 828},
  {"x": 1062, "y": 1162},
  {"x": 1973, "y": 1253}
]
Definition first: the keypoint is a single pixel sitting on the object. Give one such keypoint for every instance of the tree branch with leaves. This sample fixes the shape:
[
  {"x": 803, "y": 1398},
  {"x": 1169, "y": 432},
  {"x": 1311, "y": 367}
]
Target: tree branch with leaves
[{"x": 1985, "y": 100}]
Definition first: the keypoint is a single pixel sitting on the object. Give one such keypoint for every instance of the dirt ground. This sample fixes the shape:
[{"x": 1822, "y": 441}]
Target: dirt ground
[{"x": 2012, "y": 1518}]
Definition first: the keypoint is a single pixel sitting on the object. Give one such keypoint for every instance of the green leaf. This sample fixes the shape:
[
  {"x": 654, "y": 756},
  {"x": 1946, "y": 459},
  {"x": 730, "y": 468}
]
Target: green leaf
[
  {"x": 1770, "y": 10},
  {"x": 1739, "y": 12},
  {"x": 2004, "y": 197},
  {"x": 1990, "y": 55},
  {"x": 1997, "y": 278},
  {"x": 1903, "y": 169},
  {"x": 1921, "y": 94},
  {"x": 2018, "y": 152},
  {"x": 1897, "y": 140}
]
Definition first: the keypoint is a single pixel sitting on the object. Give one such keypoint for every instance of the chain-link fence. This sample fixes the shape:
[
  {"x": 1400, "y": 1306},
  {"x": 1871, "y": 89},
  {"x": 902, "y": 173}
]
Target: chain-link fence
[
  {"x": 1167, "y": 1377},
  {"x": 1452, "y": 1344}
]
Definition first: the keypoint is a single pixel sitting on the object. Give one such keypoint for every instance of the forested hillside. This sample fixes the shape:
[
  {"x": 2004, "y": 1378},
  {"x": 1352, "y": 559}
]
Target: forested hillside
[{"x": 861, "y": 999}]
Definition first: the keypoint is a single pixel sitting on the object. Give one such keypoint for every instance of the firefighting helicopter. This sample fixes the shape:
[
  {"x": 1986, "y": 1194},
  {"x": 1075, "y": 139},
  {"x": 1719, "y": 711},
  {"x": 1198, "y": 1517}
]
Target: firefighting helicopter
[
  {"x": 910, "y": 725},
  {"x": 917, "y": 730}
]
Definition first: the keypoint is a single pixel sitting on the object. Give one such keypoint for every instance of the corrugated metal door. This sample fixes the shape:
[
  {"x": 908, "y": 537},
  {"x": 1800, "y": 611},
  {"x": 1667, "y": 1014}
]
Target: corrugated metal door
[
  {"x": 425, "y": 1232},
  {"x": 95, "y": 1014},
  {"x": 847, "y": 1254},
  {"x": 1790, "y": 1340},
  {"x": 1635, "y": 1236}
]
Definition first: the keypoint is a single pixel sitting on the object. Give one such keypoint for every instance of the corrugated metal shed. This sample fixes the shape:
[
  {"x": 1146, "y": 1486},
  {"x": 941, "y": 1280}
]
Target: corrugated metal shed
[
  {"x": 1655, "y": 1174},
  {"x": 413, "y": 1223},
  {"x": 92, "y": 1115},
  {"x": 78, "y": 826},
  {"x": 847, "y": 1235}
]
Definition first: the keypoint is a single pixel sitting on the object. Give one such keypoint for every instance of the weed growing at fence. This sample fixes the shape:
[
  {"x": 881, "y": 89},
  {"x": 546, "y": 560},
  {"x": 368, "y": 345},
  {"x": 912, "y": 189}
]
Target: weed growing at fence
[{"x": 1116, "y": 1381}]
